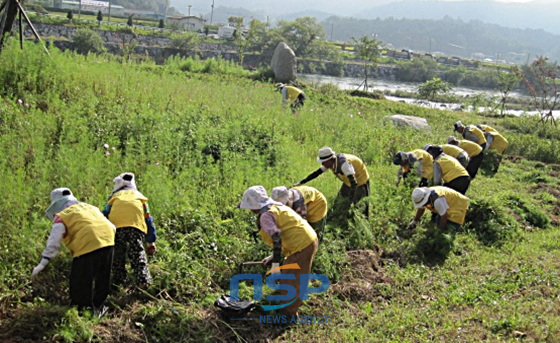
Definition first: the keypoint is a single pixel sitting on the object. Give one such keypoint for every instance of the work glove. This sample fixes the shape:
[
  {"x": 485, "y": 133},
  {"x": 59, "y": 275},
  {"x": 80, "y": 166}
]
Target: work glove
[
  {"x": 274, "y": 266},
  {"x": 39, "y": 268},
  {"x": 267, "y": 261},
  {"x": 412, "y": 225},
  {"x": 151, "y": 249},
  {"x": 423, "y": 182}
]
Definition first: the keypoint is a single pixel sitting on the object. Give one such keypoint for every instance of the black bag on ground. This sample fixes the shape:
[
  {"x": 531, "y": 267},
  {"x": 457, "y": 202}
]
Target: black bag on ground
[{"x": 234, "y": 307}]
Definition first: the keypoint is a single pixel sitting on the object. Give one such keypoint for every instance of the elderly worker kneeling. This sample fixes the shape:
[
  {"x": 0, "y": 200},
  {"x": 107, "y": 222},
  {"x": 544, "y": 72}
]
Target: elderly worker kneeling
[
  {"x": 287, "y": 233},
  {"x": 448, "y": 205}
]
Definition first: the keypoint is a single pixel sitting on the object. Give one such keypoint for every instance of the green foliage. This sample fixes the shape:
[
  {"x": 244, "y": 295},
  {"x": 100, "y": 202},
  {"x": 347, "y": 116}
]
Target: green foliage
[
  {"x": 187, "y": 42},
  {"x": 301, "y": 33},
  {"x": 529, "y": 212},
  {"x": 429, "y": 89},
  {"x": 489, "y": 222},
  {"x": 86, "y": 41},
  {"x": 417, "y": 70}
]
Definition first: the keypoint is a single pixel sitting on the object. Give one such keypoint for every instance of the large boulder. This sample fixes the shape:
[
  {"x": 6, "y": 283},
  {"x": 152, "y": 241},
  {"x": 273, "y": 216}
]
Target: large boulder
[
  {"x": 283, "y": 64},
  {"x": 411, "y": 121}
]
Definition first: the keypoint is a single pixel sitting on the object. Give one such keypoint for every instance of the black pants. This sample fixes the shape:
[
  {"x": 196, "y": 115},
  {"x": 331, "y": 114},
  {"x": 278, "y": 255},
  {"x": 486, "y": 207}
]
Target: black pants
[
  {"x": 460, "y": 184},
  {"x": 90, "y": 278},
  {"x": 129, "y": 241},
  {"x": 474, "y": 164}
]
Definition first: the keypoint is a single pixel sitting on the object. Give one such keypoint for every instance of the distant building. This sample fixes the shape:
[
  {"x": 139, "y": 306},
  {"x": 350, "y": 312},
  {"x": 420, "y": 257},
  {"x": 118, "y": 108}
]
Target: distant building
[
  {"x": 226, "y": 31},
  {"x": 188, "y": 23},
  {"x": 93, "y": 6}
]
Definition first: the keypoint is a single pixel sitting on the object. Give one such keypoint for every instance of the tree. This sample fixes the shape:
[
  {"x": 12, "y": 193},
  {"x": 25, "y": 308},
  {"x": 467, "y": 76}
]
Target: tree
[
  {"x": 129, "y": 22},
  {"x": 540, "y": 79},
  {"x": 238, "y": 36},
  {"x": 161, "y": 24},
  {"x": 87, "y": 40},
  {"x": 99, "y": 17},
  {"x": 70, "y": 15},
  {"x": 507, "y": 81},
  {"x": 429, "y": 89},
  {"x": 300, "y": 34},
  {"x": 187, "y": 42},
  {"x": 417, "y": 70},
  {"x": 367, "y": 49}
]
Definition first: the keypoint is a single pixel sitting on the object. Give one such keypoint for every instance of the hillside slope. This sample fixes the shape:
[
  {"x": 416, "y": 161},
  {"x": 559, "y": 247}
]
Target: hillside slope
[{"x": 196, "y": 140}]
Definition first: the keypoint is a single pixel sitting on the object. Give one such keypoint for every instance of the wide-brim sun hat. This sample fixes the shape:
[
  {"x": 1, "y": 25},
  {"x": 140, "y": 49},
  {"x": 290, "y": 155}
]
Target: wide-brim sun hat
[
  {"x": 255, "y": 198},
  {"x": 420, "y": 196},
  {"x": 457, "y": 125},
  {"x": 325, "y": 154},
  {"x": 59, "y": 198},
  {"x": 126, "y": 179},
  {"x": 280, "y": 194}
]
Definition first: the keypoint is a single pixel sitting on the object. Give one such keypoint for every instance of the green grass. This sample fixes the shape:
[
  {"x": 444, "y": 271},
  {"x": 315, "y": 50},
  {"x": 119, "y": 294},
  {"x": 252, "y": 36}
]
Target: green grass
[{"x": 495, "y": 281}]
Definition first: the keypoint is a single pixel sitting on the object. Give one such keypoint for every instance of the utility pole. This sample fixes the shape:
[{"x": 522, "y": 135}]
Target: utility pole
[
  {"x": 189, "y": 18},
  {"x": 212, "y": 12},
  {"x": 109, "y": 13}
]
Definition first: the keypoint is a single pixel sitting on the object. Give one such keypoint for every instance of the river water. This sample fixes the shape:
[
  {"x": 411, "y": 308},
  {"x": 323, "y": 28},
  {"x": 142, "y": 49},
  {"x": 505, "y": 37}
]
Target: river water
[{"x": 350, "y": 83}]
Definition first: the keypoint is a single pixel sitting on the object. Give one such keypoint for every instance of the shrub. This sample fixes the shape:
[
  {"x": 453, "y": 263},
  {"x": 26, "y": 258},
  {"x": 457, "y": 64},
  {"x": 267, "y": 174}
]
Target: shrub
[
  {"x": 86, "y": 41},
  {"x": 489, "y": 222}
]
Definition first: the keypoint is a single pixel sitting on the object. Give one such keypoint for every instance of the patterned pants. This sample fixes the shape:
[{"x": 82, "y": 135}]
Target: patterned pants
[{"x": 129, "y": 241}]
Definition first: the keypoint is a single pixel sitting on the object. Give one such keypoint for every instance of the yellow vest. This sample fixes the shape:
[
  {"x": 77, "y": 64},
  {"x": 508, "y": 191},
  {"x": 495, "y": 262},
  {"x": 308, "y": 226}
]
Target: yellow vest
[
  {"x": 499, "y": 143},
  {"x": 450, "y": 168},
  {"x": 456, "y": 201},
  {"x": 477, "y": 132},
  {"x": 86, "y": 229},
  {"x": 315, "y": 201},
  {"x": 127, "y": 210},
  {"x": 452, "y": 150},
  {"x": 361, "y": 175},
  {"x": 471, "y": 148},
  {"x": 295, "y": 232},
  {"x": 486, "y": 128},
  {"x": 427, "y": 162},
  {"x": 292, "y": 93}
]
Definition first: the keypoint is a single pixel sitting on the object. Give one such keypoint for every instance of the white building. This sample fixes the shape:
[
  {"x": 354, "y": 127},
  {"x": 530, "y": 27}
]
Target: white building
[
  {"x": 188, "y": 23},
  {"x": 226, "y": 31},
  {"x": 92, "y": 5}
]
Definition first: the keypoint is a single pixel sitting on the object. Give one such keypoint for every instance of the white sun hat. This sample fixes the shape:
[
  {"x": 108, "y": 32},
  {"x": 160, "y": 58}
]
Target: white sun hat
[
  {"x": 59, "y": 198},
  {"x": 420, "y": 196},
  {"x": 325, "y": 154},
  {"x": 280, "y": 194},
  {"x": 255, "y": 198}
]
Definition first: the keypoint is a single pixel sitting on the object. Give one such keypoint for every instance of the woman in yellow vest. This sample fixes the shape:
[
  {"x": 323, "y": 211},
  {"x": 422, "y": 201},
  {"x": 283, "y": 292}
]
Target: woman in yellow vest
[
  {"x": 476, "y": 154},
  {"x": 472, "y": 133},
  {"x": 351, "y": 171},
  {"x": 307, "y": 201},
  {"x": 287, "y": 233},
  {"x": 90, "y": 238},
  {"x": 128, "y": 210},
  {"x": 291, "y": 95},
  {"x": 417, "y": 159},
  {"x": 457, "y": 152},
  {"x": 449, "y": 206},
  {"x": 448, "y": 170}
]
